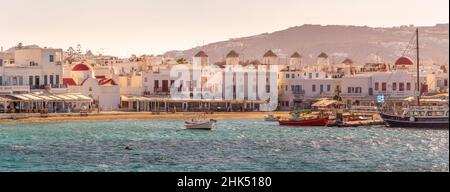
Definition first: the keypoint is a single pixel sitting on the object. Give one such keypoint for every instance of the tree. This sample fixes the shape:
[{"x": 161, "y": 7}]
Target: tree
[
  {"x": 182, "y": 61},
  {"x": 133, "y": 57},
  {"x": 71, "y": 55}
]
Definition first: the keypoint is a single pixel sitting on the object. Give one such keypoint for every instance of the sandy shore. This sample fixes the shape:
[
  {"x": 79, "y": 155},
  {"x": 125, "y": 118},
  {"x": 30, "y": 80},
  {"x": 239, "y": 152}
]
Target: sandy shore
[{"x": 119, "y": 115}]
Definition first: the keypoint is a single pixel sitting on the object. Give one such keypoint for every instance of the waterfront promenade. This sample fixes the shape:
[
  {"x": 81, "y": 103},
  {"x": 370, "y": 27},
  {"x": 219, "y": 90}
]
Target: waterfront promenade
[{"x": 56, "y": 117}]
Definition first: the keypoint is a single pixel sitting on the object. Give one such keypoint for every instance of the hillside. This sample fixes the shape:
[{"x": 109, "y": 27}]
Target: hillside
[{"x": 360, "y": 43}]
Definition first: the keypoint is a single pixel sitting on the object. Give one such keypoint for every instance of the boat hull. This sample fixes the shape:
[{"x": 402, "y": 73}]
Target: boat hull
[
  {"x": 408, "y": 122},
  {"x": 310, "y": 122},
  {"x": 199, "y": 126}
]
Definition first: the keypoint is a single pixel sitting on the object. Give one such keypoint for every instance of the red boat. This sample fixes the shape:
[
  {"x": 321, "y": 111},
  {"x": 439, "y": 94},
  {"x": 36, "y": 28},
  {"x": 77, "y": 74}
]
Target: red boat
[{"x": 308, "y": 122}]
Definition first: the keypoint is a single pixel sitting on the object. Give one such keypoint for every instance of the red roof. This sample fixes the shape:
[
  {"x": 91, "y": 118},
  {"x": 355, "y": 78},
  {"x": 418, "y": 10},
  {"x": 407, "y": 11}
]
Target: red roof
[
  {"x": 106, "y": 81},
  {"x": 404, "y": 61},
  {"x": 69, "y": 81},
  {"x": 81, "y": 67}
]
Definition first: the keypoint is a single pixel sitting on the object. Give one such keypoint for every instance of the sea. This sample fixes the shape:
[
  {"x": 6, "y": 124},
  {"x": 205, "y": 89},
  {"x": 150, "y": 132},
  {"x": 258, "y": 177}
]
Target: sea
[{"x": 234, "y": 145}]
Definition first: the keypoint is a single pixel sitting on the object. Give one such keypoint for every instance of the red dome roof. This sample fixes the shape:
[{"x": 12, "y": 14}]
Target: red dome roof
[
  {"x": 404, "y": 61},
  {"x": 81, "y": 67}
]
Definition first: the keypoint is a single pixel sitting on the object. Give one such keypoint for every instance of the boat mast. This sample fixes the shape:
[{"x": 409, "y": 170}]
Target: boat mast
[{"x": 419, "y": 91}]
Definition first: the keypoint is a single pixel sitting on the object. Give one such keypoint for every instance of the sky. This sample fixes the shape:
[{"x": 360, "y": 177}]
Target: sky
[{"x": 155, "y": 26}]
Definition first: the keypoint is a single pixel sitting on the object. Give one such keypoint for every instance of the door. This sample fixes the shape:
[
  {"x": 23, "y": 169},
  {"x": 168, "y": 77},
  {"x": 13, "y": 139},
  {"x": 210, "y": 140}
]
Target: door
[{"x": 165, "y": 86}]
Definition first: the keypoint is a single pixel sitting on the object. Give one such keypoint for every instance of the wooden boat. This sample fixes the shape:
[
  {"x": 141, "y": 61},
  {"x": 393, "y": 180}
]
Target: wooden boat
[
  {"x": 305, "y": 122},
  {"x": 419, "y": 117},
  {"x": 296, "y": 120},
  {"x": 200, "y": 125}
]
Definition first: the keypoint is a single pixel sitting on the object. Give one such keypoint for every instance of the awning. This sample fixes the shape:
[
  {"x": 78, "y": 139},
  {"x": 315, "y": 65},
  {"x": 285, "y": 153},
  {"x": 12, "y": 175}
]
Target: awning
[
  {"x": 52, "y": 97},
  {"x": 324, "y": 103}
]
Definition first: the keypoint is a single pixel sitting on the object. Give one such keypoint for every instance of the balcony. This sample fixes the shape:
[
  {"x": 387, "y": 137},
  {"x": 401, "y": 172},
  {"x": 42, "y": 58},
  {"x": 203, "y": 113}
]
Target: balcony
[
  {"x": 56, "y": 89},
  {"x": 353, "y": 95},
  {"x": 14, "y": 89}
]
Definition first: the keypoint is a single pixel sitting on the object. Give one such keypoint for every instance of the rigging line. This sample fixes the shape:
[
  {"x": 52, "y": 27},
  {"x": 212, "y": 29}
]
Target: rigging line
[{"x": 410, "y": 43}]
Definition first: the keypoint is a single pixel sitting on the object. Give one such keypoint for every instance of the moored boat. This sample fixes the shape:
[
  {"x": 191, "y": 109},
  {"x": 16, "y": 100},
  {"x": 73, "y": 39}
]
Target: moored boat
[
  {"x": 296, "y": 120},
  {"x": 305, "y": 122},
  {"x": 419, "y": 117},
  {"x": 200, "y": 125}
]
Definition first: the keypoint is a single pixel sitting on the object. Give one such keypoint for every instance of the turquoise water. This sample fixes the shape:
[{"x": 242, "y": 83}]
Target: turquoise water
[{"x": 234, "y": 145}]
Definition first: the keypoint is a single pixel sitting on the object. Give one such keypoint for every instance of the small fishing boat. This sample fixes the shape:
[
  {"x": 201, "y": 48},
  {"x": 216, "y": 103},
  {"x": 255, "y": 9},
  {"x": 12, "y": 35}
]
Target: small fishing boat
[
  {"x": 306, "y": 122},
  {"x": 200, "y": 125},
  {"x": 271, "y": 117},
  {"x": 296, "y": 120}
]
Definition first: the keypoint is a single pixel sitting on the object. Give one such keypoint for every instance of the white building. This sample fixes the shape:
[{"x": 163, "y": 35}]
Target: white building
[
  {"x": 30, "y": 68},
  {"x": 104, "y": 91}
]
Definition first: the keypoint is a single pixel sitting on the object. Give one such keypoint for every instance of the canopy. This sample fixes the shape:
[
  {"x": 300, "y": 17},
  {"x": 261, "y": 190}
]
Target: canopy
[
  {"x": 325, "y": 103},
  {"x": 51, "y": 97}
]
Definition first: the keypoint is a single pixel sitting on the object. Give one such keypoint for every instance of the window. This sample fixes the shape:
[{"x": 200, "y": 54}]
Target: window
[
  {"x": 394, "y": 86},
  {"x": 287, "y": 76},
  {"x": 383, "y": 86},
  {"x": 36, "y": 80},
  {"x": 321, "y": 89},
  {"x": 310, "y": 75},
  {"x": 286, "y": 88},
  {"x": 20, "y": 80},
  {"x": 57, "y": 80},
  {"x": 1, "y": 80},
  {"x": 445, "y": 82},
  {"x": 349, "y": 90},
  {"x": 313, "y": 88},
  {"x": 408, "y": 86},
  {"x": 45, "y": 80},
  {"x": 317, "y": 75},
  {"x": 292, "y": 76},
  {"x": 328, "y": 88},
  {"x": 401, "y": 86},
  {"x": 52, "y": 58},
  {"x": 1, "y": 62},
  {"x": 376, "y": 86},
  {"x": 156, "y": 84},
  {"x": 30, "y": 80},
  {"x": 293, "y": 88},
  {"x": 145, "y": 79},
  {"x": 32, "y": 63},
  {"x": 51, "y": 80}
]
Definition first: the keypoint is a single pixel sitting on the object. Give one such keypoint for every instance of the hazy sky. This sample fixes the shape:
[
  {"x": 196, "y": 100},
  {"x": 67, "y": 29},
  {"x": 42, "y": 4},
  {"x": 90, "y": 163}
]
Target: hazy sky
[{"x": 155, "y": 26}]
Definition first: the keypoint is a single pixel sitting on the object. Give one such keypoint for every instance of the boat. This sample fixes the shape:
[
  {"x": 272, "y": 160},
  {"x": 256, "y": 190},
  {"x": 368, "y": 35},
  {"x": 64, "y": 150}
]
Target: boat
[
  {"x": 419, "y": 116},
  {"x": 296, "y": 120},
  {"x": 271, "y": 117},
  {"x": 200, "y": 125}
]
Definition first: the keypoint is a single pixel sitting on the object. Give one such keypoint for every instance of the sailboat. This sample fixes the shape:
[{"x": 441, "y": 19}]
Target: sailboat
[{"x": 419, "y": 116}]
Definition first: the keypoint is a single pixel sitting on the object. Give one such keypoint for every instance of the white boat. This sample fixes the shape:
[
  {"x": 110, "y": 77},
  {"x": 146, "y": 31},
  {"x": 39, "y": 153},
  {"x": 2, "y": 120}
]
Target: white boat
[
  {"x": 270, "y": 117},
  {"x": 201, "y": 125}
]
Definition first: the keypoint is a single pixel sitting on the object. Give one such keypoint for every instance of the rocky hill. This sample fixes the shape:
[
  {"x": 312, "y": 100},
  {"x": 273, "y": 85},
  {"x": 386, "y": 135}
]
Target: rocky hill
[{"x": 360, "y": 43}]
